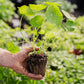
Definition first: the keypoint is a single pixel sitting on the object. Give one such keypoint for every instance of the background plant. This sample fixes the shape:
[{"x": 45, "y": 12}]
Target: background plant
[
  {"x": 6, "y": 10},
  {"x": 65, "y": 5},
  {"x": 63, "y": 68}
]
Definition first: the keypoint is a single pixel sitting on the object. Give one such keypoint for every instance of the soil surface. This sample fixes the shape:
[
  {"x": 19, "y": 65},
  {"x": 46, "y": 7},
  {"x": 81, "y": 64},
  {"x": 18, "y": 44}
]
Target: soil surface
[{"x": 37, "y": 63}]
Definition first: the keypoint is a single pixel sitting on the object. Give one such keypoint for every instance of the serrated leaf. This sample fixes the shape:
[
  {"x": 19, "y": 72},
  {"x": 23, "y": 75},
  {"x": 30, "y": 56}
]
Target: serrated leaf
[
  {"x": 36, "y": 21},
  {"x": 37, "y": 7},
  {"x": 52, "y": 3},
  {"x": 25, "y": 10},
  {"x": 54, "y": 15}
]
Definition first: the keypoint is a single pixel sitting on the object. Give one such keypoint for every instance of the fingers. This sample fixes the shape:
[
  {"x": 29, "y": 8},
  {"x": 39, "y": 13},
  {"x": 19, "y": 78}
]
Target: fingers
[
  {"x": 30, "y": 49},
  {"x": 34, "y": 77},
  {"x": 5, "y": 51},
  {"x": 30, "y": 75},
  {"x": 21, "y": 70},
  {"x": 24, "y": 53}
]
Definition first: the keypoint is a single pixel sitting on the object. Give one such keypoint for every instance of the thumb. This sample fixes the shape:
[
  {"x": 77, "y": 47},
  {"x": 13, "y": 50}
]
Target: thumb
[
  {"x": 31, "y": 49},
  {"x": 24, "y": 53}
]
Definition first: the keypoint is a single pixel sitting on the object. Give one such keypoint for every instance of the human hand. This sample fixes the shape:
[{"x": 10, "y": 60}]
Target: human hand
[{"x": 20, "y": 66}]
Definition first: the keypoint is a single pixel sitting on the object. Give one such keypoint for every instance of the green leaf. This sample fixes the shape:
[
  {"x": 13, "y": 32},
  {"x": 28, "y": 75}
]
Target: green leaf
[
  {"x": 12, "y": 47},
  {"x": 71, "y": 28},
  {"x": 52, "y": 3},
  {"x": 38, "y": 52},
  {"x": 29, "y": 12},
  {"x": 49, "y": 35},
  {"x": 36, "y": 21},
  {"x": 37, "y": 7},
  {"x": 42, "y": 32},
  {"x": 25, "y": 10},
  {"x": 78, "y": 46},
  {"x": 82, "y": 48},
  {"x": 54, "y": 15},
  {"x": 70, "y": 25},
  {"x": 68, "y": 15},
  {"x": 38, "y": 44}
]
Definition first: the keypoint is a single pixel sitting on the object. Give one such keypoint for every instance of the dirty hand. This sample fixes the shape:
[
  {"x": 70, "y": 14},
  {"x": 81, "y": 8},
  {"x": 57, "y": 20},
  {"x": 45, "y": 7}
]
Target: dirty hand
[
  {"x": 17, "y": 62},
  {"x": 20, "y": 66}
]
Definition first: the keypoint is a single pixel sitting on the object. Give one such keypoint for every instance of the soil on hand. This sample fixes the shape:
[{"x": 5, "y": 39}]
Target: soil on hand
[{"x": 37, "y": 63}]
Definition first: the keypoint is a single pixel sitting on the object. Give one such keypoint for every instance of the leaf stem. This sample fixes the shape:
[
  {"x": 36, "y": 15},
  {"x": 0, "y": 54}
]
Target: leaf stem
[
  {"x": 34, "y": 31},
  {"x": 21, "y": 31}
]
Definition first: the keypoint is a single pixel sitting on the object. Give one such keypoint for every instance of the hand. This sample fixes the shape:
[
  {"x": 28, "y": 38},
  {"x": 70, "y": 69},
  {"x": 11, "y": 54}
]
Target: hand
[{"x": 20, "y": 66}]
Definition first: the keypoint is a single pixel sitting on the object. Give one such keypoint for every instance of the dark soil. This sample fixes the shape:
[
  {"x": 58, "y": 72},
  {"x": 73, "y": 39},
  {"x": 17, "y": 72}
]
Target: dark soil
[{"x": 37, "y": 63}]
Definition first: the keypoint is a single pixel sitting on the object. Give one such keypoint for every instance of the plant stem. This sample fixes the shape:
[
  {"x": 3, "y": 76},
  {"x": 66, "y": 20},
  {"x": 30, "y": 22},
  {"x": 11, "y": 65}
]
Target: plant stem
[
  {"x": 34, "y": 39},
  {"x": 21, "y": 31}
]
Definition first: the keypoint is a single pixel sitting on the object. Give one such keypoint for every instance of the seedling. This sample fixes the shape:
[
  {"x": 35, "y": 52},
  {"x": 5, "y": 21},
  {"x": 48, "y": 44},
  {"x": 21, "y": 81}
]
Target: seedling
[{"x": 37, "y": 61}]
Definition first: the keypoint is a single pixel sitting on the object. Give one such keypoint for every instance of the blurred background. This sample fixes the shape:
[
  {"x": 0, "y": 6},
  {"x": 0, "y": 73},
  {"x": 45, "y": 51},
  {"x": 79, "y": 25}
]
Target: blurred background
[{"x": 65, "y": 50}]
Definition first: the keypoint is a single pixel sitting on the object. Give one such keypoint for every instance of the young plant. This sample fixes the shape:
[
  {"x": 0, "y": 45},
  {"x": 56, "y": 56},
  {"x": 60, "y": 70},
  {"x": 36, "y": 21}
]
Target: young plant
[{"x": 52, "y": 14}]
